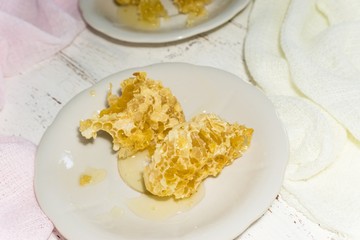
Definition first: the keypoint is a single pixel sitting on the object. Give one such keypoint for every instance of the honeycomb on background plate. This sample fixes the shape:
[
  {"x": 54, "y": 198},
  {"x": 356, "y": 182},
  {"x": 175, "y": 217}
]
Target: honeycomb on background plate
[
  {"x": 195, "y": 7},
  {"x": 151, "y": 10},
  {"x": 139, "y": 118},
  {"x": 193, "y": 151},
  {"x": 128, "y": 2}
]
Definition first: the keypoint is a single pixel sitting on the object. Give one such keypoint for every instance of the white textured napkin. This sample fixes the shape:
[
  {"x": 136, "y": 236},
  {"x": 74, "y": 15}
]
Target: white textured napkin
[
  {"x": 33, "y": 30},
  {"x": 20, "y": 215},
  {"x": 305, "y": 55},
  {"x": 30, "y": 31}
]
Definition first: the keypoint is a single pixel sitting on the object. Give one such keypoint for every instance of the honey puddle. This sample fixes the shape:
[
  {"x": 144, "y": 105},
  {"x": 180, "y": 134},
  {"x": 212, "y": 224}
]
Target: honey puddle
[
  {"x": 129, "y": 17},
  {"x": 160, "y": 208},
  {"x": 147, "y": 205},
  {"x": 131, "y": 170}
]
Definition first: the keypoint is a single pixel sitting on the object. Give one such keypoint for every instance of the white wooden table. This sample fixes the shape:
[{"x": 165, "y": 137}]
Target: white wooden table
[{"x": 35, "y": 97}]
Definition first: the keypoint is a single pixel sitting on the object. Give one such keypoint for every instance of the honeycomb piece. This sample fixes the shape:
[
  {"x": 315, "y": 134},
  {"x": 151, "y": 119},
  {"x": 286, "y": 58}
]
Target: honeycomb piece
[
  {"x": 195, "y": 10},
  {"x": 127, "y": 2},
  {"x": 139, "y": 118},
  {"x": 194, "y": 7},
  {"x": 191, "y": 152},
  {"x": 149, "y": 11}
]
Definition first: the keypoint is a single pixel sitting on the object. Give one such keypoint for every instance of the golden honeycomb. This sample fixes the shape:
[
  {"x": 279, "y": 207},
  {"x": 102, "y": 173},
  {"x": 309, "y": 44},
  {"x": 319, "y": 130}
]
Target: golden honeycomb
[
  {"x": 151, "y": 10},
  {"x": 127, "y": 2},
  {"x": 85, "y": 179},
  {"x": 193, "y": 151},
  {"x": 139, "y": 118},
  {"x": 194, "y": 7}
]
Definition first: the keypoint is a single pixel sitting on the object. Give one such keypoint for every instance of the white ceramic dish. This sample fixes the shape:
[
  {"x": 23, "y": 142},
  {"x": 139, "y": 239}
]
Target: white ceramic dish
[
  {"x": 232, "y": 201},
  {"x": 102, "y": 15}
]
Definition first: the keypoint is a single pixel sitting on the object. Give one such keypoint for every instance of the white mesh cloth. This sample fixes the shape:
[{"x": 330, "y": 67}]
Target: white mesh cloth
[
  {"x": 305, "y": 55},
  {"x": 20, "y": 216}
]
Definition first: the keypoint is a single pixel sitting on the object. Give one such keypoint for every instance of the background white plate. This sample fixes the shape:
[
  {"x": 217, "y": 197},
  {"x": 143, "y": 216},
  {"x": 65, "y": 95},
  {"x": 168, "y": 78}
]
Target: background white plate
[
  {"x": 233, "y": 200},
  {"x": 102, "y": 16}
]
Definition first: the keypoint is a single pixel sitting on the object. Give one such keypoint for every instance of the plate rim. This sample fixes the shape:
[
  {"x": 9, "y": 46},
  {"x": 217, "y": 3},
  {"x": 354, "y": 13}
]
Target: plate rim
[{"x": 87, "y": 9}]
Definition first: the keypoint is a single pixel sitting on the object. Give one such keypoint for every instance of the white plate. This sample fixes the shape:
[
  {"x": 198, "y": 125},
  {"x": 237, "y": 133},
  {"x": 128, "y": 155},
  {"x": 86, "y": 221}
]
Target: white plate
[
  {"x": 103, "y": 16},
  {"x": 232, "y": 201}
]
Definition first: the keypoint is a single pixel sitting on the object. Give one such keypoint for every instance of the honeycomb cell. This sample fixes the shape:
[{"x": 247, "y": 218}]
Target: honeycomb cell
[
  {"x": 193, "y": 151},
  {"x": 139, "y": 118}
]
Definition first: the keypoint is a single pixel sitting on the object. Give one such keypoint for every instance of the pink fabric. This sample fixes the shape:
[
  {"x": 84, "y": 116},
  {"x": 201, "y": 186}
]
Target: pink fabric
[
  {"x": 33, "y": 30},
  {"x": 20, "y": 215},
  {"x": 30, "y": 31}
]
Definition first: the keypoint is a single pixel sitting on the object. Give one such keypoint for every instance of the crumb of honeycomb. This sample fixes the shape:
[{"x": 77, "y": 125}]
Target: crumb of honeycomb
[
  {"x": 139, "y": 118},
  {"x": 85, "y": 179},
  {"x": 193, "y": 151}
]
